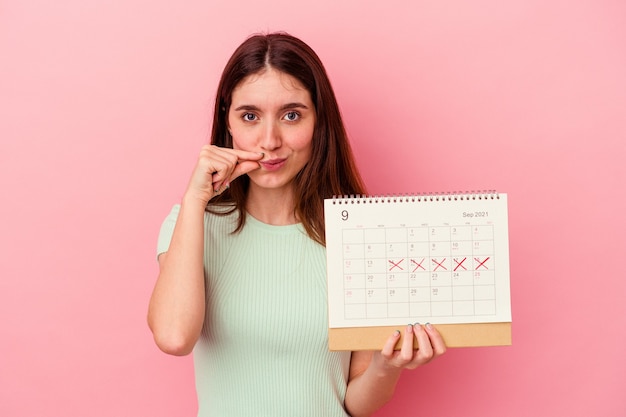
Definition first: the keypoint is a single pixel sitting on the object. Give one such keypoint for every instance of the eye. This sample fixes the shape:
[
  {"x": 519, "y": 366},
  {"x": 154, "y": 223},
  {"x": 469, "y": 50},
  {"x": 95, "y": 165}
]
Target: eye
[
  {"x": 292, "y": 116},
  {"x": 249, "y": 117}
]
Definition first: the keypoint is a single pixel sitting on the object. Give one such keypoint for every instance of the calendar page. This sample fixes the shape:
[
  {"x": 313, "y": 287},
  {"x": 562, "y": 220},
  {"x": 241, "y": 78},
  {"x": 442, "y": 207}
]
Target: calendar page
[{"x": 441, "y": 259}]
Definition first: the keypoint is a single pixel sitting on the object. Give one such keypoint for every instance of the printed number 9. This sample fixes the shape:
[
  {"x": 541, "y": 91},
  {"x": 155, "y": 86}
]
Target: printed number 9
[{"x": 344, "y": 215}]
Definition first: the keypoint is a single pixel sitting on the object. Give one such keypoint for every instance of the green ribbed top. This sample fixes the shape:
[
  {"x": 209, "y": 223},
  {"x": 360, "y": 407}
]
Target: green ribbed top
[{"x": 264, "y": 346}]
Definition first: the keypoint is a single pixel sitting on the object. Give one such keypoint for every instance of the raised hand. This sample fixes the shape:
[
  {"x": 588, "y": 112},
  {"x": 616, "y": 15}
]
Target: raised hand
[{"x": 217, "y": 168}]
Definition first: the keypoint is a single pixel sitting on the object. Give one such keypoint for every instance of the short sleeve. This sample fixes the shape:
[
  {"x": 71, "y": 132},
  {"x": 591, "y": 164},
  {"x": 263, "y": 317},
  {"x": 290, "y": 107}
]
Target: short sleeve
[{"x": 167, "y": 229}]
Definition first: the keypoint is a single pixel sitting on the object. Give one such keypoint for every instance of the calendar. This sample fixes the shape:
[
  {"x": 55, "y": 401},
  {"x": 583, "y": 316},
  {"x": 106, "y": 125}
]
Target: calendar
[{"x": 440, "y": 259}]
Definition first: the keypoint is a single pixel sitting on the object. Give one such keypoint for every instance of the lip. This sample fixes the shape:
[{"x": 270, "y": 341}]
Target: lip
[{"x": 273, "y": 164}]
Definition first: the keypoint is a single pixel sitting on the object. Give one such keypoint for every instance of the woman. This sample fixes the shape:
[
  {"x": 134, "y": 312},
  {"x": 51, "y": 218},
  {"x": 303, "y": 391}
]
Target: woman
[{"x": 242, "y": 261}]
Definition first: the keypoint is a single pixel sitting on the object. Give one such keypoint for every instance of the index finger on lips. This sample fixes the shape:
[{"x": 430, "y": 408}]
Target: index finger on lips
[
  {"x": 247, "y": 155},
  {"x": 220, "y": 165},
  {"x": 243, "y": 155},
  {"x": 234, "y": 157},
  {"x": 246, "y": 161},
  {"x": 228, "y": 164},
  {"x": 233, "y": 154},
  {"x": 244, "y": 167}
]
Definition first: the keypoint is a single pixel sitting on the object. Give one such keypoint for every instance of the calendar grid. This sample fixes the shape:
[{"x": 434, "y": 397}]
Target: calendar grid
[
  {"x": 441, "y": 259},
  {"x": 418, "y": 273}
]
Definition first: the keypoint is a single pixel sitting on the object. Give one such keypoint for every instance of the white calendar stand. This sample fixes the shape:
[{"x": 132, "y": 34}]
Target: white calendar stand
[{"x": 439, "y": 259}]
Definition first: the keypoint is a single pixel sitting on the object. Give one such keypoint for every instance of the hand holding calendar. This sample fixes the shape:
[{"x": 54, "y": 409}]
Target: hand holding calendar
[{"x": 441, "y": 259}]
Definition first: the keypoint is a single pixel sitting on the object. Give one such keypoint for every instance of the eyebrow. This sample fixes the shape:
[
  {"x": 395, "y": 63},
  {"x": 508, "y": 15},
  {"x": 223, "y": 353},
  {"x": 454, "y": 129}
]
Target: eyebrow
[{"x": 287, "y": 106}]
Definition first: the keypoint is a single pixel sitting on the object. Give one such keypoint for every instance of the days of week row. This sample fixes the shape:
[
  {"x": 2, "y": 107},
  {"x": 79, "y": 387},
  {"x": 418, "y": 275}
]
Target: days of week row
[{"x": 418, "y": 234}]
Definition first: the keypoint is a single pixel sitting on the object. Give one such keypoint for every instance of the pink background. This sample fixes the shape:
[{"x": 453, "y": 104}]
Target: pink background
[{"x": 105, "y": 104}]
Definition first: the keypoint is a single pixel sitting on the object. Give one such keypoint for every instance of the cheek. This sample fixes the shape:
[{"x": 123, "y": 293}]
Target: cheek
[
  {"x": 304, "y": 140},
  {"x": 234, "y": 134},
  {"x": 240, "y": 141},
  {"x": 236, "y": 144}
]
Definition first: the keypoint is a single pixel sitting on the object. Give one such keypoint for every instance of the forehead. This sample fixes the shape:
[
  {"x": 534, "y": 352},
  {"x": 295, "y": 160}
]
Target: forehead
[{"x": 268, "y": 84}]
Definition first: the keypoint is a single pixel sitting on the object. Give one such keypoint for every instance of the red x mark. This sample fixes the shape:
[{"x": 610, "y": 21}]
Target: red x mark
[
  {"x": 439, "y": 264},
  {"x": 395, "y": 264},
  {"x": 417, "y": 264},
  {"x": 481, "y": 263},
  {"x": 460, "y": 264}
]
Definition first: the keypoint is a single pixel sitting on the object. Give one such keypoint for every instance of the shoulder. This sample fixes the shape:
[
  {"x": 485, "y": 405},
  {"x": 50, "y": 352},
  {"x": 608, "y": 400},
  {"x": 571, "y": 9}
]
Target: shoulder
[
  {"x": 228, "y": 211},
  {"x": 221, "y": 214}
]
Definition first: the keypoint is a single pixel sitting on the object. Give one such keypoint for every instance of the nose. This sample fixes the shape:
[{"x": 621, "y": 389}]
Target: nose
[{"x": 271, "y": 137}]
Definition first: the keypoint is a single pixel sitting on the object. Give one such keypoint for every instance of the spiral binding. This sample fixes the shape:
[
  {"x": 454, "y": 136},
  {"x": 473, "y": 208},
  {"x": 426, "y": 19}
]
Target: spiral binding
[{"x": 416, "y": 198}]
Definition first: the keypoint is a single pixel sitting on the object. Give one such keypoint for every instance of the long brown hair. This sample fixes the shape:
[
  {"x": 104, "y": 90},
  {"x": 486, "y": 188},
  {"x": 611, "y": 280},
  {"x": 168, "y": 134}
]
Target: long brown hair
[{"x": 331, "y": 169}]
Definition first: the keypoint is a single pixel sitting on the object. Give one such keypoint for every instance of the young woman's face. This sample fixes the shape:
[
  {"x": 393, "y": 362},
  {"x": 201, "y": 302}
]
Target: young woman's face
[{"x": 272, "y": 112}]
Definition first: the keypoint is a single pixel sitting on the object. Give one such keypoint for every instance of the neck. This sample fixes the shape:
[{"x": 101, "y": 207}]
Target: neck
[{"x": 275, "y": 207}]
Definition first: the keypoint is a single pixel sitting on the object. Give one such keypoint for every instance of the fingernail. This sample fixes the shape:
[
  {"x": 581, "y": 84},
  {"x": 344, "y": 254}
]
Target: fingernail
[
  {"x": 409, "y": 328},
  {"x": 429, "y": 326},
  {"x": 262, "y": 153},
  {"x": 396, "y": 333}
]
